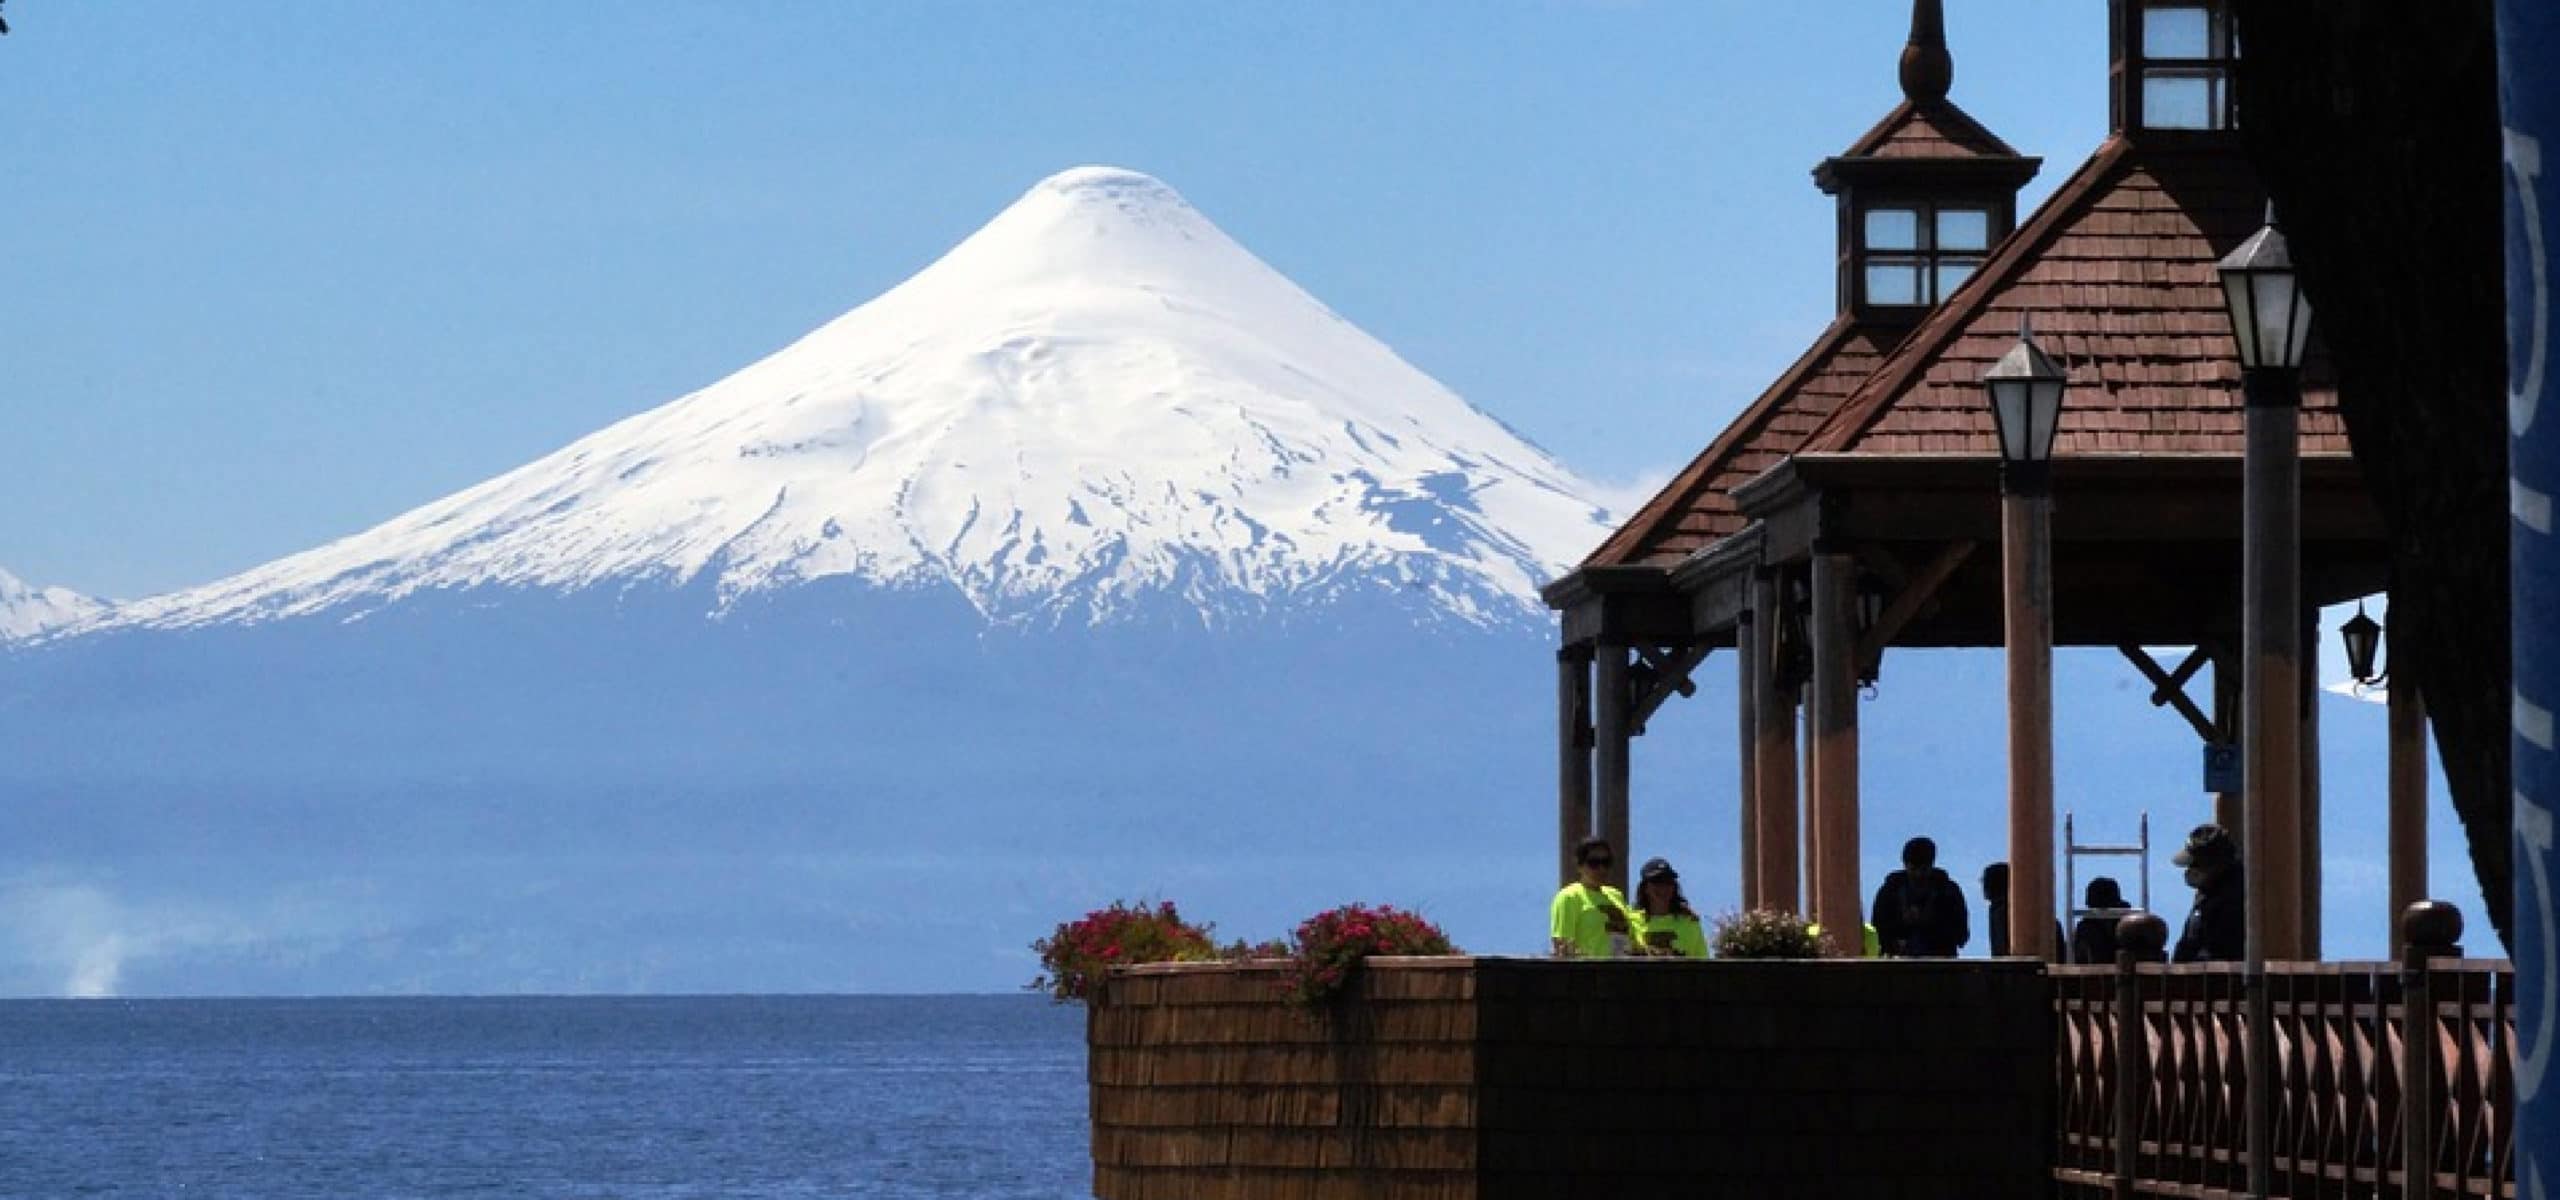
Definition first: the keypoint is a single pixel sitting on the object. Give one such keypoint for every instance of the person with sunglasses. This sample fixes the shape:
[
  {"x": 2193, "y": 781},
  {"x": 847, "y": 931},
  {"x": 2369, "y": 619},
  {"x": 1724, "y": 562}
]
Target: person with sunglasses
[{"x": 1589, "y": 918}]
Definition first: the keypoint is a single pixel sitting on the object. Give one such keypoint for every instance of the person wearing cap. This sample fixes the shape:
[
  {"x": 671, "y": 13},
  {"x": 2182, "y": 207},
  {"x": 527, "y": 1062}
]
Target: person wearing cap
[
  {"x": 2217, "y": 927},
  {"x": 2093, "y": 939},
  {"x": 1589, "y": 918},
  {"x": 1665, "y": 924}
]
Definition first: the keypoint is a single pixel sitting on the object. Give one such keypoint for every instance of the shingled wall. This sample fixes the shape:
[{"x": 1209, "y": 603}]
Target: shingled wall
[{"x": 1490, "y": 1079}]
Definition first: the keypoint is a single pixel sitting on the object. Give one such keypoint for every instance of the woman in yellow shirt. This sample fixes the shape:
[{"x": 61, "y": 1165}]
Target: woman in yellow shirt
[{"x": 1666, "y": 925}]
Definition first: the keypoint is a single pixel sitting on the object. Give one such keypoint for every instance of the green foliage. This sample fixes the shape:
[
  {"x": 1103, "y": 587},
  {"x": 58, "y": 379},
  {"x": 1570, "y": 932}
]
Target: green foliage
[{"x": 1765, "y": 933}]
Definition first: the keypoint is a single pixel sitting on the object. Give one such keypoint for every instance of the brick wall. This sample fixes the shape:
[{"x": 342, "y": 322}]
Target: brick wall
[{"x": 1487, "y": 1079}]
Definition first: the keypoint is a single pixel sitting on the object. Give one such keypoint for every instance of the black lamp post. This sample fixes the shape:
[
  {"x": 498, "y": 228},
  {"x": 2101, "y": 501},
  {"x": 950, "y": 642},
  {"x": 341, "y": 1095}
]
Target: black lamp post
[
  {"x": 2363, "y": 636},
  {"x": 2271, "y": 327},
  {"x": 2025, "y": 392}
]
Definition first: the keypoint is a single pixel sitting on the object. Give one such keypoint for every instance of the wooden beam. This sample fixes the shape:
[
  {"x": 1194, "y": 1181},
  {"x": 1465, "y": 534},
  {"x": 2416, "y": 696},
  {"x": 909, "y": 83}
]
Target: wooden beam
[
  {"x": 2271, "y": 701},
  {"x": 1573, "y": 756},
  {"x": 2226, "y": 726},
  {"x": 2169, "y": 687},
  {"x": 1614, "y": 733},
  {"x": 1746, "y": 665},
  {"x": 1914, "y": 593},
  {"x": 1839, "y": 904},
  {"x": 2310, "y": 798},
  {"x": 1773, "y": 753},
  {"x": 2408, "y": 773},
  {"x": 2027, "y": 618}
]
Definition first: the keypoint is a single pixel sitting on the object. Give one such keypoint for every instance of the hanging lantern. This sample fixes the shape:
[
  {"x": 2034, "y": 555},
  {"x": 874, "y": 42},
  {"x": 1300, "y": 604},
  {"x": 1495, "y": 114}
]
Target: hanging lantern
[{"x": 2363, "y": 636}]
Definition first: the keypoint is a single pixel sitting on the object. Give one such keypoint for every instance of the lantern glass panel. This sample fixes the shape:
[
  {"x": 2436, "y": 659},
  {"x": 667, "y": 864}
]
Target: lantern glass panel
[
  {"x": 2044, "y": 413},
  {"x": 2272, "y": 306},
  {"x": 2009, "y": 412},
  {"x": 2238, "y": 297}
]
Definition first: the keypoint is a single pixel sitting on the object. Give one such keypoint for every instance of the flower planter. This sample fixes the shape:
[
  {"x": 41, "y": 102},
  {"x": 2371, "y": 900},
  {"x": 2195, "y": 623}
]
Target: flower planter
[{"x": 1488, "y": 1077}]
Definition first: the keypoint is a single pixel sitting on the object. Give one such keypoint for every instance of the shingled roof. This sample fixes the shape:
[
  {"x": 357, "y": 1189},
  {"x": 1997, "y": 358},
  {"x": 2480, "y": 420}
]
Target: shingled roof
[
  {"x": 1694, "y": 509},
  {"x": 2117, "y": 270}
]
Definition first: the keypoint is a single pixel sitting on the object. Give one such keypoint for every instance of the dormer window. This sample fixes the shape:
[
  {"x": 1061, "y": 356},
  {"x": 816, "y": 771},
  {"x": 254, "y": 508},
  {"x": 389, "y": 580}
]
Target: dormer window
[
  {"x": 2183, "y": 59},
  {"x": 1914, "y": 255}
]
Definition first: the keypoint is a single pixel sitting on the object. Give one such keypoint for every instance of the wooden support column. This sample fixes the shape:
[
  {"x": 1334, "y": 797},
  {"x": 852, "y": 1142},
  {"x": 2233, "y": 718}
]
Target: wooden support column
[
  {"x": 2271, "y": 666},
  {"x": 1838, "y": 906},
  {"x": 2226, "y": 721},
  {"x": 1809, "y": 765},
  {"x": 1773, "y": 737},
  {"x": 1573, "y": 756},
  {"x": 1746, "y": 743},
  {"x": 2026, "y": 571},
  {"x": 1614, "y": 730},
  {"x": 2310, "y": 848},
  {"x": 2408, "y": 772}
]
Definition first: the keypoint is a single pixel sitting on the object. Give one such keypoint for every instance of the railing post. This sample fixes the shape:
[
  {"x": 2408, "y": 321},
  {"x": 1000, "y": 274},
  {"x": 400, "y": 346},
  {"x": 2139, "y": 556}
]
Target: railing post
[
  {"x": 2429, "y": 929},
  {"x": 2140, "y": 937}
]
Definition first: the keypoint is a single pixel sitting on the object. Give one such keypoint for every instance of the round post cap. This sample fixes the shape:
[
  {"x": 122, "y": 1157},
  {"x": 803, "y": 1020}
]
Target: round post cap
[
  {"x": 2431, "y": 923},
  {"x": 2142, "y": 933}
]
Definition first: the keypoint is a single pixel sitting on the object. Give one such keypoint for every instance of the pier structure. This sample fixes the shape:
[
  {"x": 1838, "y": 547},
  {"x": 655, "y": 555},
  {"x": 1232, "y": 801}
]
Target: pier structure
[{"x": 1855, "y": 505}]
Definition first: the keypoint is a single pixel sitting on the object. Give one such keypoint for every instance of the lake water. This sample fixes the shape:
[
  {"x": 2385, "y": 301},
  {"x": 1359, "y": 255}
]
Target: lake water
[{"x": 904, "y": 1097}]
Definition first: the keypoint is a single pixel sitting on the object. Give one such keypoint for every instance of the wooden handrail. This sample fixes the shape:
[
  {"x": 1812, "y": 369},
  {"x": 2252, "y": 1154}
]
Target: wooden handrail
[{"x": 2390, "y": 1078}]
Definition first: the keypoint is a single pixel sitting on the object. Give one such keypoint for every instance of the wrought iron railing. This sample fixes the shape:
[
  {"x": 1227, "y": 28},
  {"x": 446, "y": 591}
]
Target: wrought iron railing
[{"x": 2152, "y": 1077}]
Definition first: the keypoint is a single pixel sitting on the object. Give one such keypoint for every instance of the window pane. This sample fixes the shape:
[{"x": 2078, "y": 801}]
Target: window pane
[
  {"x": 1952, "y": 272},
  {"x": 1893, "y": 229},
  {"x": 1893, "y": 283},
  {"x": 2177, "y": 31},
  {"x": 2182, "y": 99},
  {"x": 1964, "y": 229}
]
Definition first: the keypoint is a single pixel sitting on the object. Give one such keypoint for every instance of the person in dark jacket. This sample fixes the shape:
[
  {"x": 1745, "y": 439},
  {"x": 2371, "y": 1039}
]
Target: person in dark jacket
[
  {"x": 1919, "y": 912},
  {"x": 1995, "y": 911},
  {"x": 1995, "y": 907},
  {"x": 2218, "y": 925},
  {"x": 2093, "y": 939}
]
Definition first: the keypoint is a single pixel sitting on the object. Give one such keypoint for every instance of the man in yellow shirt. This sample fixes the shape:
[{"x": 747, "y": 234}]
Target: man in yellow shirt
[{"x": 1589, "y": 918}]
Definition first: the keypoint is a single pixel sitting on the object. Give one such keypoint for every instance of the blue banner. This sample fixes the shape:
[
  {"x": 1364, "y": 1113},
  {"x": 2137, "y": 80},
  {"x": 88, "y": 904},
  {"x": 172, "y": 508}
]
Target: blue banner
[{"x": 2528, "y": 47}]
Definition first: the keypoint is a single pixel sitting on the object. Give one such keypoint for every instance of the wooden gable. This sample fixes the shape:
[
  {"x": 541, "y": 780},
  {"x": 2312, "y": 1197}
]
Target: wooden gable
[{"x": 1932, "y": 129}]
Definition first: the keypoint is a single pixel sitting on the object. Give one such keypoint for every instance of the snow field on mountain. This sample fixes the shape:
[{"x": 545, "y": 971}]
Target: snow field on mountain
[
  {"x": 27, "y": 610},
  {"x": 1096, "y": 401}
]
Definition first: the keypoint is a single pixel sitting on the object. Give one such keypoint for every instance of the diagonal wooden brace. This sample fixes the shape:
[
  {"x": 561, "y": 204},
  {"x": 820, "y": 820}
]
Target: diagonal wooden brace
[
  {"x": 2169, "y": 688},
  {"x": 1659, "y": 673}
]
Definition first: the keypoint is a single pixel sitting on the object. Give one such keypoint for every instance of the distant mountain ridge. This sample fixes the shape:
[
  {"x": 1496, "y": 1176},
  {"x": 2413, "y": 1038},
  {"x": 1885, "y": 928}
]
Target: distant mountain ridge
[
  {"x": 28, "y": 611},
  {"x": 1098, "y": 405}
]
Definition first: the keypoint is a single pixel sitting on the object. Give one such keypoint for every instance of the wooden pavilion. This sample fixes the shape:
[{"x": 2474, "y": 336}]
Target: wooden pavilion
[{"x": 1854, "y": 506}]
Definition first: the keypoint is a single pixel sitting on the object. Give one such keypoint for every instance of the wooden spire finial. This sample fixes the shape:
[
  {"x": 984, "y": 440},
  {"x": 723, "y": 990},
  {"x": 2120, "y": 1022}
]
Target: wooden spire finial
[{"x": 1927, "y": 68}]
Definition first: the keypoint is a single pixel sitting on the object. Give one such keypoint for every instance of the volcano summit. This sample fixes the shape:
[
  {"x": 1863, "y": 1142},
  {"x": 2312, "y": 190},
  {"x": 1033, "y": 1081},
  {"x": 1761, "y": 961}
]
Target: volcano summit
[{"x": 1096, "y": 404}]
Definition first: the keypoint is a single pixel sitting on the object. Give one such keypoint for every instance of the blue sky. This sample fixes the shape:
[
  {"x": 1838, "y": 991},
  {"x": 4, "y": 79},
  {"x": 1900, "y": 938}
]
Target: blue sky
[{"x": 275, "y": 272}]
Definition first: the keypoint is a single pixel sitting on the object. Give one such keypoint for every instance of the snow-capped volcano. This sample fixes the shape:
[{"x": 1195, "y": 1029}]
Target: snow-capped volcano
[
  {"x": 1098, "y": 399},
  {"x": 27, "y": 610}
]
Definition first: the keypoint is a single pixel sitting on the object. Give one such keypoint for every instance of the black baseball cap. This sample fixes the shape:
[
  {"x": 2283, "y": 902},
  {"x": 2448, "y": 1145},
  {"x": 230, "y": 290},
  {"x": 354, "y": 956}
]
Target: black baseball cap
[{"x": 2207, "y": 846}]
